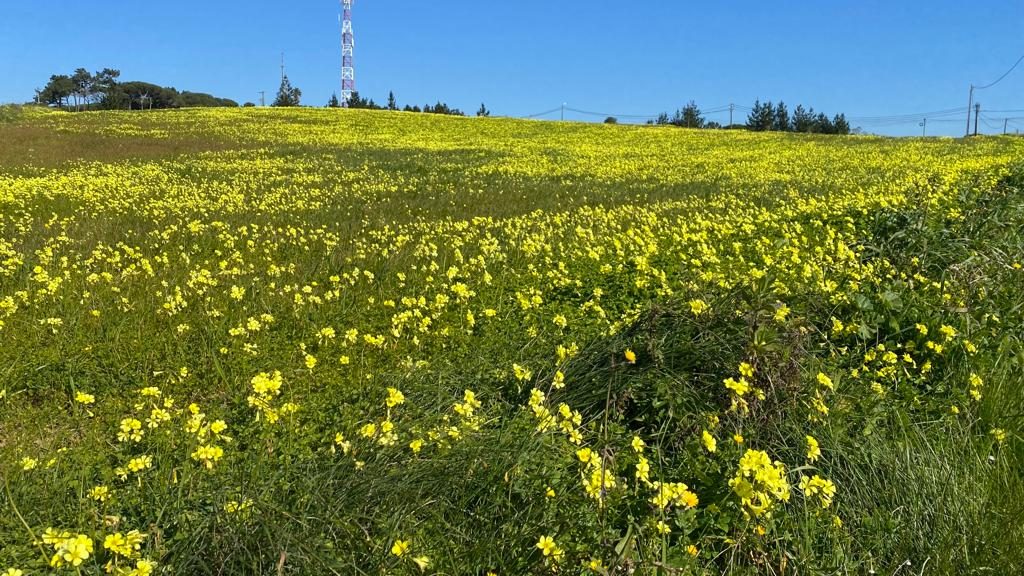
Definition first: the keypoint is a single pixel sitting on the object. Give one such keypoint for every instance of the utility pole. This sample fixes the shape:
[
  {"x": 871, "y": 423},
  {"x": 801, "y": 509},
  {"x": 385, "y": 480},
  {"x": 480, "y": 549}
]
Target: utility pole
[
  {"x": 970, "y": 103},
  {"x": 1005, "y": 122},
  {"x": 563, "y": 112},
  {"x": 977, "y": 110},
  {"x": 731, "y": 108},
  {"x": 282, "y": 67},
  {"x": 924, "y": 127},
  {"x": 263, "y": 101}
]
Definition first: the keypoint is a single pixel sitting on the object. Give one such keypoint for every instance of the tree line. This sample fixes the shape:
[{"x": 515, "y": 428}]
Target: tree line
[
  {"x": 83, "y": 90},
  {"x": 763, "y": 117},
  {"x": 776, "y": 118},
  {"x": 288, "y": 95},
  {"x": 103, "y": 90},
  {"x": 360, "y": 102}
]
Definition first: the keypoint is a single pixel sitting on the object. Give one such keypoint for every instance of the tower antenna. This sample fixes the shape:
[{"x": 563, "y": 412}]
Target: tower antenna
[{"x": 348, "y": 45}]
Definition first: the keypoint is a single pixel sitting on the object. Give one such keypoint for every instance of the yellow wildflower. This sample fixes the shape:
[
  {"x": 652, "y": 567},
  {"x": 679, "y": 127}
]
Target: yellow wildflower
[
  {"x": 400, "y": 547},
  {"x": 813, "y": 449},
  {"x": 548, "y": 547},
  {"x": 710, "y": 444}
]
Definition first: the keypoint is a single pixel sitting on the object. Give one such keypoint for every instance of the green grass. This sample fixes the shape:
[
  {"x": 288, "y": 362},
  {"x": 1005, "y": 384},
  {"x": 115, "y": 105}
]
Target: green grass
[{"x": 278, "y": 201}]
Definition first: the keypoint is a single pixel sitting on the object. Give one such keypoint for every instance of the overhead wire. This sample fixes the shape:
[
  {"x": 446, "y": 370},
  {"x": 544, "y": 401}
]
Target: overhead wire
[
  {"x": 608, "y": 114},
  {"x": 875, "y": 121},
  {"x": 985, "y": 121},
  {"x": 1005, "y": 74},
  {"x": 910, "y": 116},
  {"x": 545, "y": 113},
  {"x": 878, "y": 121}
]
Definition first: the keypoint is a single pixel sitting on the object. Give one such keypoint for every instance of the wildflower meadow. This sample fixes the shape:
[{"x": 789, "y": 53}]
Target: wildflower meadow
[{"x": 255, "y": 341}]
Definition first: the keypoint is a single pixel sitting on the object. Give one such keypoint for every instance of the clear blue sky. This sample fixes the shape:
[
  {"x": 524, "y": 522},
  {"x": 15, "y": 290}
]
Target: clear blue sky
[{"x": 863, "y": 57}]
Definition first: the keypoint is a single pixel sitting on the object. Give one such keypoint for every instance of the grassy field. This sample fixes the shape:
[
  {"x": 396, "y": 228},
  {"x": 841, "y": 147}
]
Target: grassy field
[{"x": 347, "y": 342}]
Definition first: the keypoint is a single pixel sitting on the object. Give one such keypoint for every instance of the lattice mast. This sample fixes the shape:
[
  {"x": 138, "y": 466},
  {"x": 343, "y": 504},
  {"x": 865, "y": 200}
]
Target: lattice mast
[{"x": 348, "y": 45}]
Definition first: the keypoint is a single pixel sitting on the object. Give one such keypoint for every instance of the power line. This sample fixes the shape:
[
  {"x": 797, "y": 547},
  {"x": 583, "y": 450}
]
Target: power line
[
  {"x": 970, "y": 97},
  {"x": 985, "y": 121},
  {"x": 1005, "y": 74},
  {"x": 545, "y": 113},
  {"x": 879, "y": 121},
  {"x": 914, "y": 116},
  {"x": 606, "y": 114},
  {"x": 715, "y": 110}
]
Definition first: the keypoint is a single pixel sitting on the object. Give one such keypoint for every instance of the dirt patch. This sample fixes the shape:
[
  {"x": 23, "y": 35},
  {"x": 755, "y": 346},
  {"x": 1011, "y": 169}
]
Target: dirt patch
[{"x": 24, "y": 146}]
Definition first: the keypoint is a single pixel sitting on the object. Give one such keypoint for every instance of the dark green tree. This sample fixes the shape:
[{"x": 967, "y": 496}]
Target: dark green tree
[
  {"x": 780, "y": 121},
  {"x": 202, "y": 100},
  {"x": 83, "y": 81},
  {"x": 611, "y": 120},
  {"x": 442, "y": 108},
  {"x": 358, "y": 102},
  {"x": 761, "y": 117},
  {"x": 823, "y": 125},
  {"x": 106, "y": 88},
  {"x": 392, "y": 103},
  {"x": 287, "y": 95},
  {"x": 483, "y": 111},
  {"x": 333, "y": 102},
  {"x": 146, "y": 96},
  {"x": 803, "y": 120},
  {"x": 691, "y": 117},
  {"x": 57, "y": 91},
  {"x": 840, "y": 124}
]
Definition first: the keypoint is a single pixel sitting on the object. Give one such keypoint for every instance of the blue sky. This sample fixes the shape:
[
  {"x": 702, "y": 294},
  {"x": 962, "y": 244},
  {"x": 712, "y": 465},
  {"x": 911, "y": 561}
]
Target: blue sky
[{"x": 866, "y": 58}]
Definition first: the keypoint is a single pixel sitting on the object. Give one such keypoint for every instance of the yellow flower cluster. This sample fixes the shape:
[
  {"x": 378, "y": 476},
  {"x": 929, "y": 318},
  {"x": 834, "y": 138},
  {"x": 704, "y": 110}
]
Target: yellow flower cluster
[
  {"x": 266, "y": 388},
  {"x": 739, "y": 387},
  {"x": 69, "y": 549},
  {"x": 673, "y": 494},
  {"x": 820, "y": 488},
  {"x": 760, "y": 483}
]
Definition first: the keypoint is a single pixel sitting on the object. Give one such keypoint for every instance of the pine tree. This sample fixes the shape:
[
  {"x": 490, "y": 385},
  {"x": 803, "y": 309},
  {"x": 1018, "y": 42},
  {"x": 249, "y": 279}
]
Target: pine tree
[
  {"x": 803, "y": 120},
  {"x": 333, "y": 102},
  {"x": 483, "y": 111},
  {"x": 841, "y": 125},
  {"x": 823, "y": 125},
  {"x": 780, "y": 121},
  {"x": 761, "y": 117},
  {"x": 286, "y": 94},
  {"x": 691, "y": 116},
  {"x": 392, "y": 103},
  {"x": 83, "y": 87}
]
